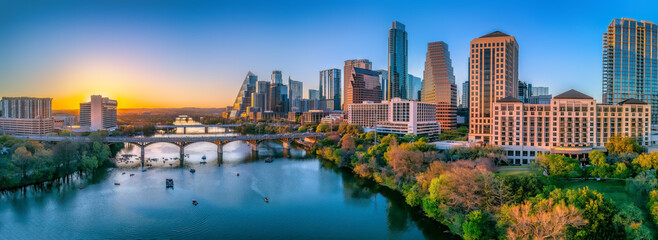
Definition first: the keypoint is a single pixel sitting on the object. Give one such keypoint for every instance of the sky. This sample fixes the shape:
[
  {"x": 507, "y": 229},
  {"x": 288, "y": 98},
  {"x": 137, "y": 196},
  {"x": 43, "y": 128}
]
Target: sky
[{"x": 165, "y": 53}]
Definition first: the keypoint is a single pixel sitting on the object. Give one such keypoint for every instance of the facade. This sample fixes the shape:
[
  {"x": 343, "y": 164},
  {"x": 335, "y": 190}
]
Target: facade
[
  {"x": 414, "y": 85},
  {"x": 397, "y": 61},
  {"x": 383, "y": 80},
  {"x": 315, "y": 116},
  {"x": 243, "y": 99},
  {"x": 464, "y": 96},
  {"x": 439, "y": 84},
  {"x": 361, "y": 83},
  {"x": 630, "y": 68},
  {"x": 98, "y": 114},
  {"x": 63, "y": 121},
  {"x": 330, "y": 89},
  {"x": 292, "y": 116},
  {"x": 397, "y": 116},
  {"x": 540, "y": 99},
  {"x": 260, "y": 97},
  {"x": 26, "y": 107},
  {"x": 295, "y": 94},
  {"x": 279, "y": 101},
  {"x": 26, "y": 126},
  {"x": 333, "y": 119},
  {"x": 493, "y": 71},
  {"x": 525, "y": 91},
  {"x": 313, "y": 94},
  {"x": 269, "y": 115},
  {"x": 572, "y": 124},
  {"x": 277, "y": 77},
  {"x": 538, "y": 91}
]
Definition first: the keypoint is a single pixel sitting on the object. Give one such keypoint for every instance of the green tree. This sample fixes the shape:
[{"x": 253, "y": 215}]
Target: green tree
[
  {"x": 477, "y": 226},
  {"x": 619, "y": 145},
  {"x": 558, "y": 165},
  {"x": 322, "y": 128}
]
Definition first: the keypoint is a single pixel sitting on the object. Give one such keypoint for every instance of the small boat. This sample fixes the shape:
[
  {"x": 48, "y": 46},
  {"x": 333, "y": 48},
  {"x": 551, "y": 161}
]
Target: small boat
[
  {"x": 116, "y": 183},
  {"x": 238, "y": 174},
  {"x": 269, "y": 159},
  {"x": 132, "y": 174},
  {"x": 169, "y": 183},
  {"x": 203, "y": 162},
  {"x": 192, "y": 170},
  {"x": 194, "y": 202},
  {"x": 82, "y": 188},
  {"x": 170, "y": 164},
  {"x": 267, "y": 200},
  {"x": 123, "y": 173},
  {"x": 204, "y": 157},
  {"x": 144, "y": 170}
]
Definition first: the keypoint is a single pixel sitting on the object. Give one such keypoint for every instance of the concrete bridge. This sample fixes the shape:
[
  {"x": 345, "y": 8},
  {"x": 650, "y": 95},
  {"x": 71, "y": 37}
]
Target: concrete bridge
[
  {"x": 205, "y": 127},
  {"x": 182, "y": 141}
]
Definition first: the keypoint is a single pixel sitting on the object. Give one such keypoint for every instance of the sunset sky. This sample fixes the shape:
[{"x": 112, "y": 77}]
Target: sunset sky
[{"x": 196, "y": 53}]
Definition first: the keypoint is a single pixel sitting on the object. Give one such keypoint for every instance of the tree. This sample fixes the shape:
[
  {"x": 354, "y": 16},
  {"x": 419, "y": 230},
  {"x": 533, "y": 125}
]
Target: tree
[
  {"x": 547, "y": 219},
  {"x": 619, "y": 145},
  {"x": 322, "y": 128},
  {"x": 558, "y": 165},
  {"x": 477, "y": 226},
  {"x": 630, "y": 217},
  {"x": 22, "y": 159},
  {"x": 405, "y": 163}
]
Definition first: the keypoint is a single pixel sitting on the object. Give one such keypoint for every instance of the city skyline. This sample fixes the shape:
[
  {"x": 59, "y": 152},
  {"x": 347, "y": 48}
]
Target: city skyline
[{"x": 119, "y": 50}]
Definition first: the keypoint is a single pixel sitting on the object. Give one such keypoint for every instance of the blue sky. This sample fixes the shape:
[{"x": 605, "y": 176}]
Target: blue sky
[{"x": 196, "y": 53}]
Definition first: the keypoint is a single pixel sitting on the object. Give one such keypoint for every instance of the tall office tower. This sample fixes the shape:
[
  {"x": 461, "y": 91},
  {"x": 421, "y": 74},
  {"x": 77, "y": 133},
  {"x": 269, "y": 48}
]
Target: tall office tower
[
  {"x": 277, "y": 77},
  {"x": 525, "y": 91},
  {"x": 243, "y": 99},
  {"x": 629, "y": 63},
  {"x": 26, "y": 107},
  {"x": 465, "y": 91},
  {"x": 397, "y": 62},
  {"x": 361, "y": 83},
  {"x": 330, "y": 89},
  {"x": 99, "y": 113},
  {"x": 439, "y": 84},
  {"x": 413, "y": 87},
  {"x": 383, "y": 79},
  {"x": 539, "y": 91},
  {"x": 313, "y": 94},
  {"x": 494, "y": 75},
  {"x": 295, "y": 94},
  {"x": 260, "y": 97},
  {"x": 279, "y": 101}
]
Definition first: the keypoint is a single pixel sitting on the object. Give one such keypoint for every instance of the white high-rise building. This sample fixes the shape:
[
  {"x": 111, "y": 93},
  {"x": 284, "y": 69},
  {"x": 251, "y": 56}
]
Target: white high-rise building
[{"x": 99, "y": 113}]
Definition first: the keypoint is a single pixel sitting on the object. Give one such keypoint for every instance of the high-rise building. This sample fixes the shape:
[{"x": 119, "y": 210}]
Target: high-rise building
[
  {"x": 539, "y": 91},
  {"x": 279, "y": 101},
  {"x": 99, "y": 113},
  {"x": 26, "y": 115},
  {"x": 397, "y": 62},
  {"x": 630, "y": 68},
  {"x": 313, "y": 94},
  {"x": 330, "y": 92},
  {"x": 439, "y": 84},
  {"x": 525, "y": 91},
  {"x": 243, "y": 99},
  {"x": 465, "y": 92},
  {"x": 361, "y": 83},
  {"x": 277, "y": 77},
  {"x": 383, "y": 79},
  {"x": 494, "y": 64},
  {"x": 261, "y": 96},
  {"x": 413, "y": 87},
  {"x": 295, "y": 94}
]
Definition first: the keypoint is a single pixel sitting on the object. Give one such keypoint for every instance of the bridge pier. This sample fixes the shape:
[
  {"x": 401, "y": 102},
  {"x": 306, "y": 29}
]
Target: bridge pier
[
  {"x": 254, "y": 147},
  {"x": 182, "y": 153},
  {"x": 286, "y": 144},
  {"x": 220, "y": 152},
  {"x": 143, "y": 155}
]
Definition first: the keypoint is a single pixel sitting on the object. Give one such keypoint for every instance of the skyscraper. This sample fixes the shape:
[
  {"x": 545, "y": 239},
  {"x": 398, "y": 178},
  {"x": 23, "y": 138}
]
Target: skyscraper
[
  {"x": 295, "y": 94},
  {"x": 383, "y": 79},
  {"x": 494, "y": 64},
  {"x": 99, "y": 113},
  {"x": 397, "y": 61},
  {"x": 313, "y": 94},
  {"x": 243, "y": 99},
  {"x": 629, "y": 63},
  {"x": 465, "y": 91},
  {"x": 361, "y": 83},
  {"x": 330, "y": 89},
  {"x": 439, "y": 84},
  {"x": 413, "y": 87},
  {"x": 277, "y": 78},
  {"x": 525, "y": 91},
  {"x": 26, "y": 107},
  {"x": 279, "y": 101},
  {"x": 539, "y": 91},
  {"x": 260, "y": 98}
]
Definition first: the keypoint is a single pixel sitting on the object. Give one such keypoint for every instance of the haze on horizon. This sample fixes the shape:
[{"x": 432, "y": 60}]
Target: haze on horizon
[{"x": 172, "y": 54}]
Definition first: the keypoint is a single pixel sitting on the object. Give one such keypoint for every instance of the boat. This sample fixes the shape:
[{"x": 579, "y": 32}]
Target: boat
[
  {"x": 132, "y": 174},
  {"x": 194, "y": 202},
  {"x": 116, "y": 183},
  {"x": 82, "y": 188},
  {"x": 238, "y": 174},
  {"x": 170, "y": 164},
  {"x": 169, "y": 183},
  {"x": 267, "y": 200},
  {"x": 269, "y": 159},
  {"x": 203, "y": 162},
  {"x": 123, "y": 173},
  {"x": 144, "y": 170},
  {"x": 204, "y": 157},
  {"x": 192, "y": 170}
]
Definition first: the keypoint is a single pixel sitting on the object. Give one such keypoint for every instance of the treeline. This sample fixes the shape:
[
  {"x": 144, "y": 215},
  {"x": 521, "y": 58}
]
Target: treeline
[
  {"x": 460, "y": 188},
  {"x": 35, "y": 163}
]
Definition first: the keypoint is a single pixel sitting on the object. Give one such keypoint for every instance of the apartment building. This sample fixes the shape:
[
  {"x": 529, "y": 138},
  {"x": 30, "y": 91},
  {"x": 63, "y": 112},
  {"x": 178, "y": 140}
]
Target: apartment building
[{"x": 397, "y": 116}]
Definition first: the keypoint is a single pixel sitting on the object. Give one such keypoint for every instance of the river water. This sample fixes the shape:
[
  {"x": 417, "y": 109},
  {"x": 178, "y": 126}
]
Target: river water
[{"x": 308, "y": 199}]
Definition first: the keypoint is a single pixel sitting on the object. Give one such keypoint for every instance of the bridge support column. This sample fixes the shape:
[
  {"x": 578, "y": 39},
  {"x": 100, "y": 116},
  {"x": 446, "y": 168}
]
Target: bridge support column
[
  {"x": 182, "y": 154},
  {"x": 286, "y": 144},
  {"x": 254, "y": 147},
  {"x": 220, "y": 152},
  {"x": 143, "y": 155},
  {"x": 184, "y": 130},
  {"x": 206, "y": 129}
]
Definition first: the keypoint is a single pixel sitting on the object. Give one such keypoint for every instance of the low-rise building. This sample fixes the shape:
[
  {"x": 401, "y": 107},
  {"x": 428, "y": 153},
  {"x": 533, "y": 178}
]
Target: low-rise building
[
  {"x": 333, "y": 119},
  {"x": 397, "y": 116},
  {"x": 26, "y": 116},
  {"x": 314, "y": 116}
]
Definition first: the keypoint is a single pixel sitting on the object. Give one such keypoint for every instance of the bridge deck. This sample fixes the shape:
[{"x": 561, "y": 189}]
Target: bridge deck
[
  {"x": 175, "y": 138},
  {"x": 197, "y": 126}
]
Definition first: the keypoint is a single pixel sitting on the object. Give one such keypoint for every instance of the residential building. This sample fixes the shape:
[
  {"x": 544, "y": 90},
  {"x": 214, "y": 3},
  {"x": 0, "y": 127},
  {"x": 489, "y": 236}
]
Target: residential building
[
  {"x": 26, "y": 116},
  {"x": 397, "y": 61},
  {"x": 630, "y": 68},
  {"x": 493, "y": 71},
  {"x": 98, "y": 114},
  {"x": 330, "y": 90},
  {"x": 383, "y": 79},
  {"x": 439, "y": 84},
  {"x": 277, "y": 77},
  {"x": 295, "y": 94},
  {"x": 537, "y": 91},
  {"x": 243, "y": 99},
  {"x": 397, "y": 116},
  {"x": 414, "y": 85},
  {"x": 572, "y": 124},
  {"x": 361, "y": 83}
]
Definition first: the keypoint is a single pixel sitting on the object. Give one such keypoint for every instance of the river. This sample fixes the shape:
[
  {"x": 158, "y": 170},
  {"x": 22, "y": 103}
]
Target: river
[{"x": 308, "y": 199}]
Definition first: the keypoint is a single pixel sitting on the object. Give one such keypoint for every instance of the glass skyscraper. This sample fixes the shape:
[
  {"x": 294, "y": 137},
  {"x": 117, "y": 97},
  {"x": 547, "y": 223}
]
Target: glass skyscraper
[
  {"x": 397, "y": 62},
  {"x": 439, "y": 84},
  {"x": 630, "y": 63},
  {"x": 330, "y": 89},
  {"x": 295, "y": 94}
]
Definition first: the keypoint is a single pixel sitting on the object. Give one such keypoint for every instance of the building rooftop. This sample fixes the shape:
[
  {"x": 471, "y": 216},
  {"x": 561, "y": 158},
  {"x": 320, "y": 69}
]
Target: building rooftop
[
  {"x": 365, "y": 71},
  {"x": 509, "y": 99},
  {"x": 632, "y": 101},
  {"x": 572, "y": 94},
  {"x": 495, "y": 34}
]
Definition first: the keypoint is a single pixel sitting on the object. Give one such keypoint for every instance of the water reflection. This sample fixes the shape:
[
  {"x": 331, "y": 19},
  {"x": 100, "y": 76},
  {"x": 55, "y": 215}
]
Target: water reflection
[{"x": 308, "y": 199}]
